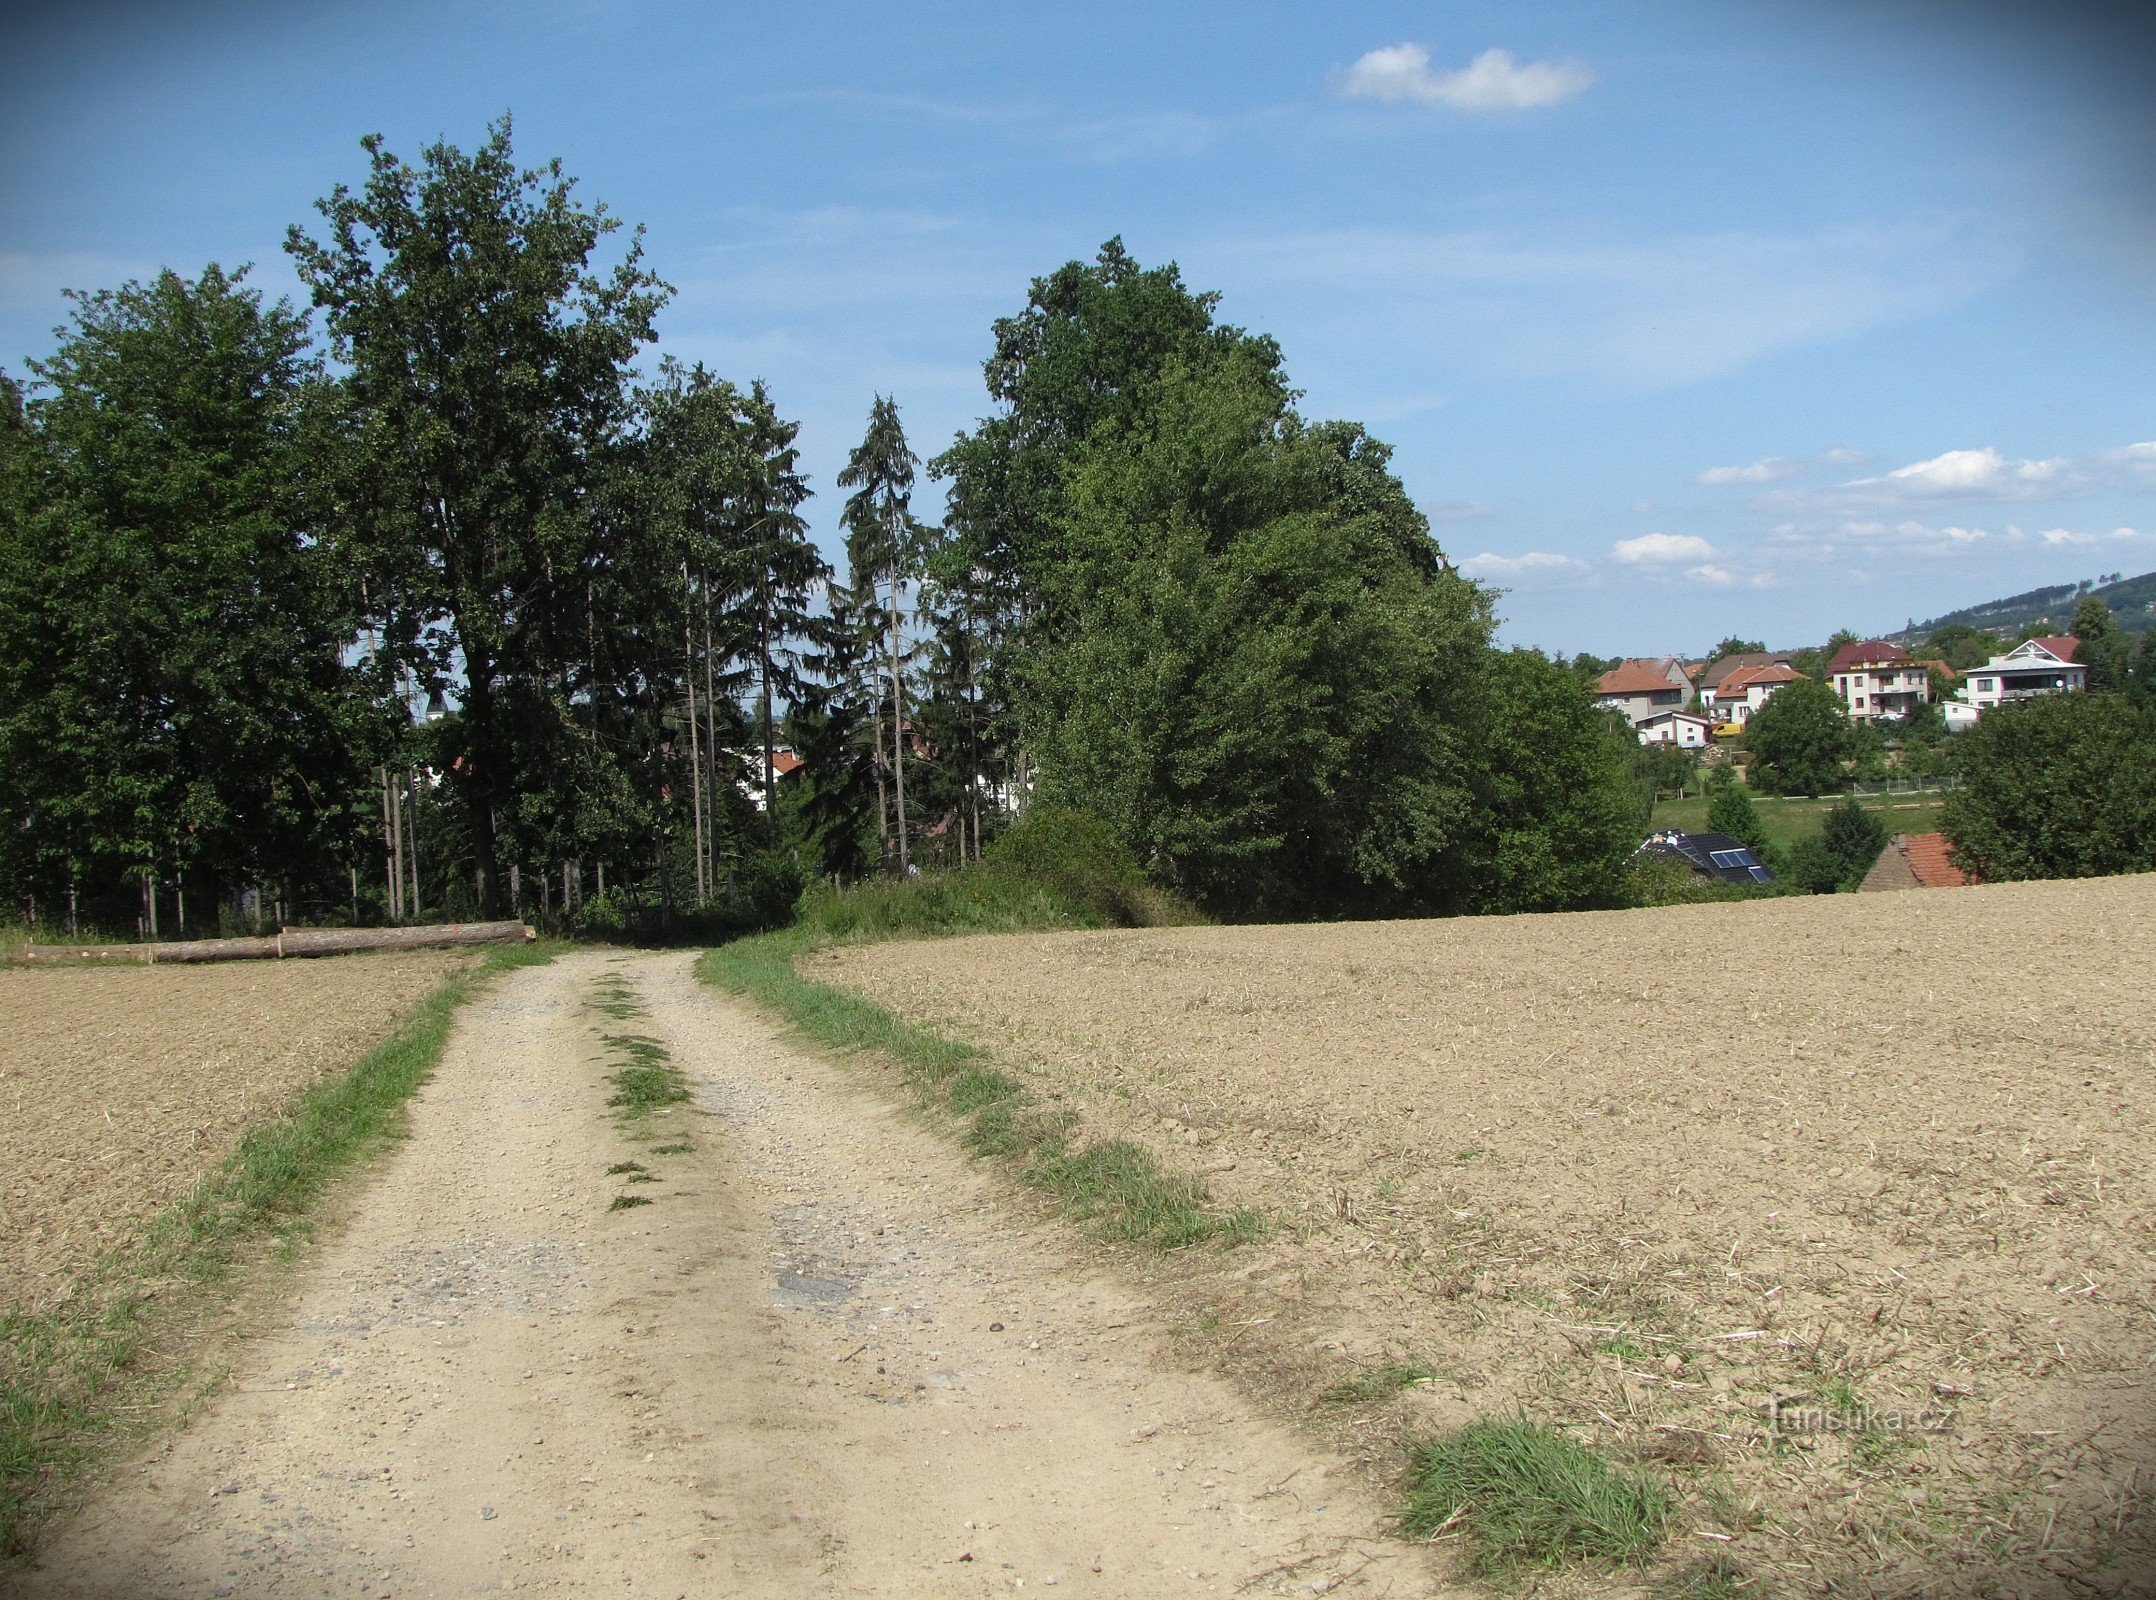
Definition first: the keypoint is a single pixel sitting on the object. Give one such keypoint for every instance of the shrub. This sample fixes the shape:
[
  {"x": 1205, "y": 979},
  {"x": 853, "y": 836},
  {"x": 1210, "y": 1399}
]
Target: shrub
[
  {"x": 2063, "y": 787},
  {"x": 1852, "y": 838}
]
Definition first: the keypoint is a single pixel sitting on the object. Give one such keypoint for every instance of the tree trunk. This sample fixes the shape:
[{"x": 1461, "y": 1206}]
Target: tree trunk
[
  {"x": 696, "y": 754},
  {"x": 898, "y": 734}
]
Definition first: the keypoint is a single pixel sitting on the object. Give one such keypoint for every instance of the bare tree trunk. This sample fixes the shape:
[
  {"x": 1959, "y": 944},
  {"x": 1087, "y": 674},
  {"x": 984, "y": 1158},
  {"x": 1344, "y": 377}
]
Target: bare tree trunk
[
  {"x": 696, "y": 749},
  {"x": 417, "y": 903},
  {"x": 392, "y": 853},
  {"x": 898, "y": 734},
  {"x": 149, "y": 884},
  {"x": 711, "y": 727}
]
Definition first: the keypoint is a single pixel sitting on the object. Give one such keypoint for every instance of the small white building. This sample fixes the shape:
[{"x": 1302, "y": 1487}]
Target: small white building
[
  {"x": 2032, "y": 669},
  {"x": 1679, "y": 728}
]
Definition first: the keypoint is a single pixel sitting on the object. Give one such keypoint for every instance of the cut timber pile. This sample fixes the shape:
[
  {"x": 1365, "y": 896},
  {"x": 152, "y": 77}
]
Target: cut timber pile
[{"x": 289, "y": 942}]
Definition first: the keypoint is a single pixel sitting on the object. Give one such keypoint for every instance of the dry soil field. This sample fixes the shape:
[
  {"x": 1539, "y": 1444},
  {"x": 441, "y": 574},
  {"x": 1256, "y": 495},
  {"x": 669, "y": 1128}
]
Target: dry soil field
[
  {"x": 1838, "y": 1209},
  {"x": 120, "y": 1088}
]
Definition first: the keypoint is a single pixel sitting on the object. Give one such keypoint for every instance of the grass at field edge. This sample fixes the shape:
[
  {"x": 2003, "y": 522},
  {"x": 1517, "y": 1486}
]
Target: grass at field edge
[
  {"x": 1116, "y": 1186},
  {"x": 69, "y": 1376}
]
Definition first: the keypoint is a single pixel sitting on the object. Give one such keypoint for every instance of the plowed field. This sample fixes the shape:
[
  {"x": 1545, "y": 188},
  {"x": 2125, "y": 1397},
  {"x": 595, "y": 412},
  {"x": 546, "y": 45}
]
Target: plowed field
[
  {"x": 120, "y": 1088},
  {"x": 1840, "y": 1210}
]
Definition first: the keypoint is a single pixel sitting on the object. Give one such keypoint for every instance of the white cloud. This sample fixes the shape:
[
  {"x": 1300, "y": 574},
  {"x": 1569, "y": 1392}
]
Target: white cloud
[
  {"x": 1661, "y": 549},
  {"x": 1530, "y": 564},
  {"x": 1840, "y": 456},
  {"x": 1493, "y": 81},
  {"x": 1771, "y": 470},
  {"x": 2066, "y": 536},
  {"x": 1983, "y": 472},
  {"x": 1717, "y": 576}
]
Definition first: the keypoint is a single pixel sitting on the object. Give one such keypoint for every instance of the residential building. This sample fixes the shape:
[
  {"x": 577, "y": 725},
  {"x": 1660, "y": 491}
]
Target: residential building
[
  {"x": 1876, "y": 679},
  {"x": 2031, "y": 669},
  {"x": 1914, "y": 861},
  {"x": 1709, "y": 678},
  {"x": 1642, "y": 688},
  {"x": 1743, "y": 691},
  {"x": 1679, "y": 728}
]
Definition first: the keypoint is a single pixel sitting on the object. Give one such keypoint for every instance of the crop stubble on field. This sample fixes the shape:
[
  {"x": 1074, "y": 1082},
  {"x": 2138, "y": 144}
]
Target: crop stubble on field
[
  {"x": 1870, "y": 1160},
  {"x": 121, "y": 1087}
]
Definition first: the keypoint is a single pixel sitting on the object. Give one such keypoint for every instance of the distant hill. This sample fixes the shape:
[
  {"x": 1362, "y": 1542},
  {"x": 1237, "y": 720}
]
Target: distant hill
[{"x": 2132, "y": 602}]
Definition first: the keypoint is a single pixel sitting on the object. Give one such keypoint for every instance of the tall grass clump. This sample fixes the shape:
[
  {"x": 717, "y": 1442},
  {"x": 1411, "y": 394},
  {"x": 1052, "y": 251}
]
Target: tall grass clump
[
  {"x": 1529, "y": 1496},
  {"x": 66, "y": 1374}
]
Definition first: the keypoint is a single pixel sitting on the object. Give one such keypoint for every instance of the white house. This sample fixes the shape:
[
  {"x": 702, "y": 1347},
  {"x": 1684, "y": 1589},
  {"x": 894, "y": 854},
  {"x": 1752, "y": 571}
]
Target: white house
[
  {"x": 2032, "y": 668},
  {"x": 1876, "y": 679},
  {"x": 1679, "y": 728}
]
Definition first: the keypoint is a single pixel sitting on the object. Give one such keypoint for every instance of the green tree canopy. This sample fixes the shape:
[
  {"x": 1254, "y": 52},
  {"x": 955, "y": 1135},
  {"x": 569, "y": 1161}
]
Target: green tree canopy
[
  {"x": 2105, "y": 651},
  {"x": 1730, "y": 811},
  {"x": 1853, "y": 837},
  {"x": 1734, "y": 646},
  {"x": 1799, "y": 740},
  {"x": 486, "y": 365},
  {"x": 2059, "y": 787},
  {"x": 173, "y": 696}
]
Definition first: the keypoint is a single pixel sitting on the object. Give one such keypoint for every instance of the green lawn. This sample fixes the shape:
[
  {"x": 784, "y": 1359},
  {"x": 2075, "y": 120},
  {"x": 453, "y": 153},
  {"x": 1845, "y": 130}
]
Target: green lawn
[{"x": 1787, "y": 821}]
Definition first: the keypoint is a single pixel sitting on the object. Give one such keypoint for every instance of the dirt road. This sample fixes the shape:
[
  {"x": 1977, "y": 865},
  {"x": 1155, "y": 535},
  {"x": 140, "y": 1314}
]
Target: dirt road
[{"x": 830, "y": 1359}]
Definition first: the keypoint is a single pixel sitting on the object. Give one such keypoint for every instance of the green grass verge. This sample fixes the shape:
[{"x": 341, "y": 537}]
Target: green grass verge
[
  {"x": 1529, "y": 1496},
  {"x": 70, "y": 1375},
  {"x": 1787, "y": 820},
  {"x": 1116, "y": 1186}
]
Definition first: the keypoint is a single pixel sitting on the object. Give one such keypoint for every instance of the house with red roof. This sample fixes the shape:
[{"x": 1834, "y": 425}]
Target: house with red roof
[
  {"x": 1878, "y": 680},
  {"x": 1914, "y": 861},
  {"x": 1641, "y": 689},
  {"x": 2033, "y": 668},
  {"x": 1743, "y": 691}
]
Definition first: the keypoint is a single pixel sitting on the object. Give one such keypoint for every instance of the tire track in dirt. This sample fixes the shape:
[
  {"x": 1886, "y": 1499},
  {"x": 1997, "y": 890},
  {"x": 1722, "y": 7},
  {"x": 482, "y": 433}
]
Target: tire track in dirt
[{"x": 785, "y": 1377}]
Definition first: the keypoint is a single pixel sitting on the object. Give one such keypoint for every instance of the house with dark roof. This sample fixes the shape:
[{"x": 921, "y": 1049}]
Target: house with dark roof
[
  {"x": 2033, "y": 668},
  {"x": 1711, "y": 855},
  {"x": 1876, "y": 679}
]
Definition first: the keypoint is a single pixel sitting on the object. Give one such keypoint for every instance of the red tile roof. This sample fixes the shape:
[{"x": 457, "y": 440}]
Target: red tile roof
[
  {"x": 1932, "y": 860},
  {"x": 1867, "y": 651},
  {"x": 1635, "y": 677},
  {"x": 2062, "y": 645},
  {"x": 1744, "y": 677}
]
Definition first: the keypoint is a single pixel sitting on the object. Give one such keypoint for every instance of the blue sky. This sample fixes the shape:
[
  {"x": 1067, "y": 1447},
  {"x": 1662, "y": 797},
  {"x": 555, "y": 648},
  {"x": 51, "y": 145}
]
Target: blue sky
[{"x": 1684, "y": 318}]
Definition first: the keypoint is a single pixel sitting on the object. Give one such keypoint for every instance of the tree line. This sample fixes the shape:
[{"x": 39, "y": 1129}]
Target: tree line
[{"x": 443, "y": 597}]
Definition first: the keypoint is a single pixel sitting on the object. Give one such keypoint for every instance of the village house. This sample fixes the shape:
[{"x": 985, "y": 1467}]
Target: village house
[
  {"x": 1710, "y": 677},
  {"x": 1743, "y": 691},
  {"x": 1876, "y": 679},
  {"x": 2032, "y": 668},
  {"x": 1641, "y": 689}
]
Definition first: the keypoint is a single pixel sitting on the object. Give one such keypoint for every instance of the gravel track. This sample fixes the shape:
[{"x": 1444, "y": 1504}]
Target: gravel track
[{"x": 784, "y": 1377}]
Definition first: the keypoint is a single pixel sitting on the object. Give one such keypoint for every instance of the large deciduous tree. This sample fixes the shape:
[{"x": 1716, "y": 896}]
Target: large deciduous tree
[
  {"x": 485, "y": 361},
  {"x": 173, "y": 696},
  {"x": 2059, "y": 787},
  {"x": 1799, "y": 740}
]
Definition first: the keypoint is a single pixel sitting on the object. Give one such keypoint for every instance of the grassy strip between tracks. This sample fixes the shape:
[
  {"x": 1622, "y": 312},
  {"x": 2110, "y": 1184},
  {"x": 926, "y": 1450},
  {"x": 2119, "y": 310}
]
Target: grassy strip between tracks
[
  {"x": 76, "y": 1379},
  {"x": 1115, "y": 1185}
]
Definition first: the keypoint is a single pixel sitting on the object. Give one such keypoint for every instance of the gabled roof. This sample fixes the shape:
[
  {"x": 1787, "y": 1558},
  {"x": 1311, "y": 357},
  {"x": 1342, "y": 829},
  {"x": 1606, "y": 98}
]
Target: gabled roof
[
  {"x": 1932, "y": 861},
  {"x": 1635, "y": 677},
  {"x": 1676, "y": 716},
  {"x": 1766, "y": 675},
  {"x": 1720, "y": 668},
  {"x": 2059, "y": 646},
  {"x": 1868, "y": 652}
]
